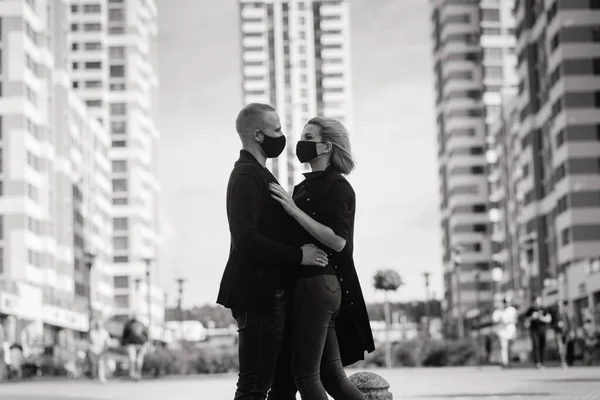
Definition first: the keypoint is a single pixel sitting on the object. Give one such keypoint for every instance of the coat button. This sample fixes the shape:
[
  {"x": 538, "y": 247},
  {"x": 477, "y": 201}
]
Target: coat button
[
  {"x": 351, "y": 304},
  {"x": 313, "y": 213},
  {"x": 347, "y": 292},
  {"x": 341, "y": 279},
  {"x": 335, "y": 266},
  {"x": 308, "y": 199}
]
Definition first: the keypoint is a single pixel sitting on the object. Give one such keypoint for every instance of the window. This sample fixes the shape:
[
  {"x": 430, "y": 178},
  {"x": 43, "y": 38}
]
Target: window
[
  {"x": 492, "y": 31},
  {"x": 116, "y": 15},
  {"x": 118, "y": 127},
  {"x": 74, "y": 46},
  {"x": 74, "y": 8},
  {"x": 490, "y": 15},
  {"x": 74, "y": 27},
  {"x": 93, "y": 46},
  {"x": 119, "y": 143},
  {"x": 120, "y": 201},
  {"x": 119, "y": 185},
  {"x": 92, "y": 8},
  {"x": 492, "y": 53},
  {"x": 119, "y": 166},
  {"x": 458, "y": 19},
  {"x": 116, "y": 52},
  {"x": 117, "y": 71},
  {"x": 493, "y": 73},
  {"x": 565, "y": 236},
  {"x": 464, "y": 132},
  {"x": 117, "y": 87},
  {"x": 94, "y": 103},
  {"x": 93, "y": 84},
  {"x": 1, "y": 227},
  {"x": 1, "y": 260},
  {"x": 93, "y": 65},
  {"x": 92, "y": 27},
  {"x": 120, "y": 259},
  {"x": 120, "y": 224},
  {"x": 1, "y": 188},
  {"x": 118, "y": 109},
  {"x": 121, "y": 282},
  {"x": 120, "y": 243},
  {"x": 122, "y": 301}
]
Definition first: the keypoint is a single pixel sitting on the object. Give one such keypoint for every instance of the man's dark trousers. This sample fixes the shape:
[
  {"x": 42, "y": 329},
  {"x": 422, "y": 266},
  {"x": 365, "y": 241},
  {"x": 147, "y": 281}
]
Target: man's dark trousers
[{"x": 261, "y": 334}]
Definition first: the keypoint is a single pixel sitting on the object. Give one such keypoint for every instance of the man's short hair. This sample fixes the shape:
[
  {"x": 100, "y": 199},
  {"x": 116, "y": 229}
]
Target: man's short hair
[{"x": 252, "y": 116}]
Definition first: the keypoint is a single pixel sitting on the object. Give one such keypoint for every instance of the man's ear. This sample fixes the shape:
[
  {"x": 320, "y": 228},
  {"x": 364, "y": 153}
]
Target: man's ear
[{"x": 257, "y": 135}]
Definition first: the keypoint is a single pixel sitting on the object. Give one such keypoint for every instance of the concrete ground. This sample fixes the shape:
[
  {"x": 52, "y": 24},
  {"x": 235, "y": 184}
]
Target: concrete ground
[{"x": 432, "y": 384}]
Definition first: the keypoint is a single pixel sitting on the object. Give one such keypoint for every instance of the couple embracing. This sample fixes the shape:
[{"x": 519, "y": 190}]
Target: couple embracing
[{"x": 290, "y": 280}]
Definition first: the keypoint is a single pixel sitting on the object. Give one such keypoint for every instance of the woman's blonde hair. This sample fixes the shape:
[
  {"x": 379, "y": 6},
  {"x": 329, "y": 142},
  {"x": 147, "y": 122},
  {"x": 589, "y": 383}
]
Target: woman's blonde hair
[{"x": 334, "y": 132}]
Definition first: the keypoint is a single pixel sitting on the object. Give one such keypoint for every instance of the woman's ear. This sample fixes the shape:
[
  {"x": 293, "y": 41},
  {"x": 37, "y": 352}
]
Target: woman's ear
[{"x": 328, "y": 147}]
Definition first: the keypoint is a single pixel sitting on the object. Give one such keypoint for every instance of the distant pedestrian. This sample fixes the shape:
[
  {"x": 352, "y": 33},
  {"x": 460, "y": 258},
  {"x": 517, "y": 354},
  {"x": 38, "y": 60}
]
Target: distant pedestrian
[
  {"x": 537, "y": 320},
  {"x": 505, "y": 319},
  {"x": 135, "y": 339},
  {"x": 563, "y": 330},
  {"x": 590, "y": 340},
  {"x": 99, "y": 340}
]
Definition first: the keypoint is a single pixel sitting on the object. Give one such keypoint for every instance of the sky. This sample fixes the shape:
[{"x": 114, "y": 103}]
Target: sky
[{"x": 394, "y": 141}]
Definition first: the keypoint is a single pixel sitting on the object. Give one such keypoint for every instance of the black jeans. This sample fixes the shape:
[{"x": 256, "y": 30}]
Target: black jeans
[
  {"x": 316, "y": 362},
  {"x": 538, "y": 342},
  {"x": 260, "y": 339}
]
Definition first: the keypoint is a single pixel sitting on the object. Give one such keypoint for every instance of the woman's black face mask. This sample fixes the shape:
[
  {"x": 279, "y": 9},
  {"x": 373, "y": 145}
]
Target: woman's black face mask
[{"x": 306, "y": 150}]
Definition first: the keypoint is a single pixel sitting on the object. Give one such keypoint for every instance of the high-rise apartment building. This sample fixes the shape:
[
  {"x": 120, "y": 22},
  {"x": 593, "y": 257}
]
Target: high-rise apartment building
[
  {"x": 296, "y": 56},
  {"x": 554, "y": 130},
  {"x": 474, "y": 61},
  {"x": 113, "y": 61},
  {"x": 54, "y": 185}
]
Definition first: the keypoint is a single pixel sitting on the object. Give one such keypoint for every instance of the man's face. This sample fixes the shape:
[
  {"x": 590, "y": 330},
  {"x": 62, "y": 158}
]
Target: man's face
[{"x": 271, "y": 126}]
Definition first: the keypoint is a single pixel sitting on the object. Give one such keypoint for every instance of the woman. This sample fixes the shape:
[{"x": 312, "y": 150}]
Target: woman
[
  {"x": 506, "y": 329},
  {"x": 330, "y": 320}
]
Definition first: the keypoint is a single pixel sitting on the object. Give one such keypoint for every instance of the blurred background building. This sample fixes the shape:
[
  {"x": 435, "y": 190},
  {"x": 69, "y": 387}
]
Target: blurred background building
[
  {"x": 296, "y": 56},
  {"x": 112, "y": 62},
  {"x": 474, "y": 62},
  {"x": 549, "y": 149}
]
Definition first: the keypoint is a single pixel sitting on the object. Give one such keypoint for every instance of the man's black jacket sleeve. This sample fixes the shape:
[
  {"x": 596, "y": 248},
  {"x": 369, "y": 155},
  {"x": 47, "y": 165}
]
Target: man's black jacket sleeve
[{"x": 247, "y": 198}]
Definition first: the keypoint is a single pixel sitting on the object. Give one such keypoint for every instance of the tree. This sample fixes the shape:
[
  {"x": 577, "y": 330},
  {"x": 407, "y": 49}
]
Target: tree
[{"x": 387, "y": 280}]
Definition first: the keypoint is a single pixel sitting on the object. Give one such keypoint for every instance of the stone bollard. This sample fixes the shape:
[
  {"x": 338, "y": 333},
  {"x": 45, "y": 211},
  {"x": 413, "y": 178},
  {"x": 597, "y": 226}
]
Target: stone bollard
[{"x": 373, "y": 386}]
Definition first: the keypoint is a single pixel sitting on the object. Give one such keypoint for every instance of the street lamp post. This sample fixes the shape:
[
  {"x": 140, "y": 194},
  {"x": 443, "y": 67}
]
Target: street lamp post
[
  {"x": 180, "y": 282},
  {"x": 165, "y": 301},
  {"x": 148, "y": 262},
  {"x": 89, "y": 259},
  {"x": 426, "y": 275}
]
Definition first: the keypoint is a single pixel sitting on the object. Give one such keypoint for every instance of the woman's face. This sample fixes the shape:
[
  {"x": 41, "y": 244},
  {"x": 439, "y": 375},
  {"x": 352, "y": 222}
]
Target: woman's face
[{"x": 311, "y": 133}]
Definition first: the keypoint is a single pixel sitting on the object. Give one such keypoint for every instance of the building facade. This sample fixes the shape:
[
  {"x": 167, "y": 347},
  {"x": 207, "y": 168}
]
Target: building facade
[
  {"x": 54, "y": 185},
  {"x": 554, "y": 157},
  {"x": 474, "y": 62},
  {"x": 113, "y": 62},
  {"x": 296, "y": 56}
]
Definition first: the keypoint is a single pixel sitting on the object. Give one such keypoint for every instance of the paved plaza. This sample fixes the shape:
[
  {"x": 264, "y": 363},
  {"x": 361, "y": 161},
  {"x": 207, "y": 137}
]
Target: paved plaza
[{"x": 431, "y": 384}]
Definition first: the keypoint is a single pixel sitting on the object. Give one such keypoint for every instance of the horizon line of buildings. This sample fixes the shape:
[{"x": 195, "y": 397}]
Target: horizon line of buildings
[{"x": 519, "y": 142}]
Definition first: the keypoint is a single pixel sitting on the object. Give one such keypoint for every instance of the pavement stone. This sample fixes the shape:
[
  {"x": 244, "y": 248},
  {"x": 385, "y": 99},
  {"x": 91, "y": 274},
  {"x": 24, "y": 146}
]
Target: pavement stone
[{"x": 426, "y": 384}]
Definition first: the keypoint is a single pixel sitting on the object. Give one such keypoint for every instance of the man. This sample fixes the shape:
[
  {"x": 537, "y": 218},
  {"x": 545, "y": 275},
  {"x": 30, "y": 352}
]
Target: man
[
  {"x": 99, "y": 339},
  {"x": 563, "y": 331},
  {"x": 135, "y": 339},
  {"x": 537, "y": 320},
  {"x": 254, "y": 279}
]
